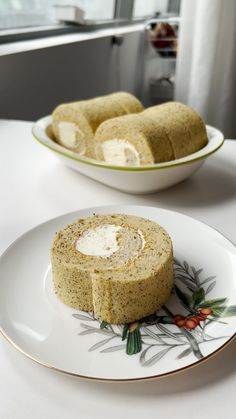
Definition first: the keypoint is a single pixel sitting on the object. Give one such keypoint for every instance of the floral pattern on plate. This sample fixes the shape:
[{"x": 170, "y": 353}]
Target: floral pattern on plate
[{"x": 183, "y": 323}]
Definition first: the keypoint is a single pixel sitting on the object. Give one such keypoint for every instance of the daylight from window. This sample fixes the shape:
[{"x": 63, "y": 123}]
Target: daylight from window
[
  {"x": 19, "y": 14},
  {"x": 28, "y": 13}
]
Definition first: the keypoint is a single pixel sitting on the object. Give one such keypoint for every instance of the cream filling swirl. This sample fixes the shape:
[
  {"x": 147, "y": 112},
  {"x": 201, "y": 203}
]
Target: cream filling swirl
[
  {"x": 120, "y": 152},
  {"x": 117, "y": 244}
]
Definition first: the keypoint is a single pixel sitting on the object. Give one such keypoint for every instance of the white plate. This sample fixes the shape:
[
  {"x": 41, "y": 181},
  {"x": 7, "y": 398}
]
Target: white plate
[
  {"x": 54, "y": 335},
  {"x": 143, "y": 179}
]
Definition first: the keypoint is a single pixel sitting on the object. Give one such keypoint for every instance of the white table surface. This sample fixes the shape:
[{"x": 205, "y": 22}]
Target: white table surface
[{"x": 36, "y": 187}]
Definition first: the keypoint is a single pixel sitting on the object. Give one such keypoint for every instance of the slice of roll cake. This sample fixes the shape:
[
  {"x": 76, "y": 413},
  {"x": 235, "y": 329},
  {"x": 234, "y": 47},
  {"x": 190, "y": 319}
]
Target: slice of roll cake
[
  {"x": 118, "y": 266},
  {"x": 184, "y": 127},
  {"x": 158, "y": 134},
  {"x": 74, "y": 124},
  {"x": 132, "y": 140}
]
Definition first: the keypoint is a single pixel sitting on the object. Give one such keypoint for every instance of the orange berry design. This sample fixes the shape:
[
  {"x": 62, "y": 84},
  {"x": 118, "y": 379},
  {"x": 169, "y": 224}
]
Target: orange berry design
[
  {"x": 180, "y": 323},
  {"x": 179, "y": 320},
  {"x": 196, "y": 319},
  {"x": 190, "y": 324},
  {"x": 205, "y": 311},
  {"x": 178, "y": 317},
  {"x": 193, "y": 321}
]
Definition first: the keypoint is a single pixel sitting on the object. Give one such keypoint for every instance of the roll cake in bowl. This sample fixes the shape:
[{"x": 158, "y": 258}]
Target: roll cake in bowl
[
  {"x": 185, "y": 128},
  {"x": 158, "y": 134},
  {"x": 74, "y": 124},
  {"x": 133, "y": 140},
  {"x": 118, "y": 266}
]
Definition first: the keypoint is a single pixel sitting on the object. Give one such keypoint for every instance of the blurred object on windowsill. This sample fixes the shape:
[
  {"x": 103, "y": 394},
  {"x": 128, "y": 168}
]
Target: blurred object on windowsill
[
  {"x": 163, "y": 38},
  {"x": 72, "y": 14}
]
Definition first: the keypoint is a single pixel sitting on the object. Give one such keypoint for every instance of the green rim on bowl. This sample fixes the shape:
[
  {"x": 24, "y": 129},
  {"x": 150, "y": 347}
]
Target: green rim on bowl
[{"x": 216, "y": 140}]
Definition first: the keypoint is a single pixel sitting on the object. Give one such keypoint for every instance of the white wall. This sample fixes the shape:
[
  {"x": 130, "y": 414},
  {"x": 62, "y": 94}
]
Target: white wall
[{"x": 33, "y": 82}]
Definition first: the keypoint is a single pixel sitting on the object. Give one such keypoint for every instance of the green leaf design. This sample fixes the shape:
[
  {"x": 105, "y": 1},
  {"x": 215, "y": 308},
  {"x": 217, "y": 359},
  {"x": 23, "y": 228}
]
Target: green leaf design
[
  {"x": 210, "y": 278},
  {"x": 198, "y": 296},
  {"x": 184, "y": 353},
  {"x": 184, "y": 298},
  {"x": 101, "y": 343},
  {"x": 196, "y": 273},
  {"x": 83, "y": 317},
  {"x": 186, "y": 281},
  {"x": 192, "y": 297},
  {"x": 134, "y": 342},
  {"x": 168, "y": 333},
  {"x": 193, "y": 343},
  {"x": 213, "y": 303},
  {"x": 186, "y": 267},
  {"x": 91, "y": 329},
  {"x": 224, "y": 311},
  {"x": 210, "y": 287},
  {"x": 103, "y": 325},
  {"x": 113, "y": 348},
  {"x": 151, "y": 361},
  {"x": 153, "y": 335},
  {"x": 176, "y": 261},
  {"x": 179, "y": 269},
  {"x": 125, "y": 331}
]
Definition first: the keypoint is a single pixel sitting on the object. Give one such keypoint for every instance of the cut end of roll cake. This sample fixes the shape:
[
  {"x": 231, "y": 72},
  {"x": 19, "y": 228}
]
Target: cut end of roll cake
[
  {"x": 72, "y": 130},
  {"x": 71, "y": 136},
  {"x": 132, "y": 140},
  {"x": 118, "y": 266},
  {"x": 120, "y": 152}
]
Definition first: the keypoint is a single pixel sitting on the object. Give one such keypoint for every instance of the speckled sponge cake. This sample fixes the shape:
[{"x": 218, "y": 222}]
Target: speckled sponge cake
[
  {"x": 133, "y": 140},
  {"x": 185, "y": 128},
  {"x": 118, "y": 266},
  {"x": 158, "y": 134},
  {"x": 74, "y": 124}
]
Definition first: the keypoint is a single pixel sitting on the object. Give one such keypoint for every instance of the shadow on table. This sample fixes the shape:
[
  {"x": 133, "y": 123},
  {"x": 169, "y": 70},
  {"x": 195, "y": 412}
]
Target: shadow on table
[{"x": 211, "y": 186}]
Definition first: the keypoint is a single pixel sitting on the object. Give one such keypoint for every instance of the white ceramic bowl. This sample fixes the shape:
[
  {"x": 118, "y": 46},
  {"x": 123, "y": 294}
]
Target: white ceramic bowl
[{"x": 145, "y": 179}]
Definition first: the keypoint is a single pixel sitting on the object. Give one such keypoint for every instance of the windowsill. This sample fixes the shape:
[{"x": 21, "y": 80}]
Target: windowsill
[
  {"x": 34, "y": 32},
  {"x": 66, "y": 38}
]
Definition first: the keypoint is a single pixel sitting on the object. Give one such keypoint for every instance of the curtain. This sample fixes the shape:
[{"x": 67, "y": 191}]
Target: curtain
[{"x": 206, "y": 64}]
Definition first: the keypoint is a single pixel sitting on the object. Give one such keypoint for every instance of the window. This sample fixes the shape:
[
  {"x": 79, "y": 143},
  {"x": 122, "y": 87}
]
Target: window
[
  {"x": 17, "y": 16},
  {"x": 150, "y": 7},
  {"x": 30, "y": 13}
]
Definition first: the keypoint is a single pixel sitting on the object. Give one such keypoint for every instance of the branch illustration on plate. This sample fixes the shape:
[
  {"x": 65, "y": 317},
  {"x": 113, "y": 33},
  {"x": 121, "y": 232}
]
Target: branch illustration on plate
[{"x": 156, "y": 335}]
